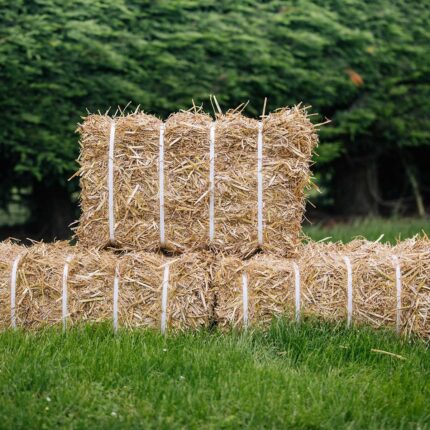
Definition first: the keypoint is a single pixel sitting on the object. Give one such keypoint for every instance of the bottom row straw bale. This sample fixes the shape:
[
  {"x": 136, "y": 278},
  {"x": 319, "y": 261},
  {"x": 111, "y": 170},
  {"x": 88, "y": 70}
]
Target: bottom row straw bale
[
  {"x": 269, "y": 289},
  {"x": 189, "y": 298},
  {"x": 202, "y": 288},
  {"x": 91, "y": 274},
  {"x": 323, "y": 285}
]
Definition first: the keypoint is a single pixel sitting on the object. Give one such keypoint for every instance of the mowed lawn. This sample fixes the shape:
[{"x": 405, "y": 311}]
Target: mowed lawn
[
  {"x": 311, "y": 376},
  {"x": 392, "y": 229}
]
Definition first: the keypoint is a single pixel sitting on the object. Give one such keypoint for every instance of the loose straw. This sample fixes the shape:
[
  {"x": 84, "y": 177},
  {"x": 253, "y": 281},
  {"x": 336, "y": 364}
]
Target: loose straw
[
  {"x": 212, "y": 183},
  {"x": 161, "y": 183},
  {"x": 398, "y": 292},
  {"x": 13, "y": 291},
  {"x": 111, "y": 214},
  {"x": 260, "y": 182},
  {"x": 245, "y": 299},
  {"x": 349, "y": 282},
  {"x": 164, "y": 299}
]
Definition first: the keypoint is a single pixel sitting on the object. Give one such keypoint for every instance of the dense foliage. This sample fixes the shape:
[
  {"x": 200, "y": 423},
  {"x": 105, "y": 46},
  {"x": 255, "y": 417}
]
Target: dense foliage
[{"x": 364, "y": 65}]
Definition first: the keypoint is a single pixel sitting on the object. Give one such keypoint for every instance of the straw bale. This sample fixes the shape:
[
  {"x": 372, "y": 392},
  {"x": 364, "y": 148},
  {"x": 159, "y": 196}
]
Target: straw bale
[
  {"x": 39, "y": 284},
  {"x": 374, "y": 283},
  {"x": 324, "y": 282},
  {"x": 89, "y": 284},
  {"x": 414, "y": 257},
  {"x": 135, "y": 180},
  {"x": 289, "y": 139},
  {"x": 324, "y": 285},
  {"x": 189, "y": 297},
  {"x": 90, "y": 287},
  {"x": 9, "y": 250},
  {"x": 199, "y": 281},
  {"x": 269, "y": 289}
]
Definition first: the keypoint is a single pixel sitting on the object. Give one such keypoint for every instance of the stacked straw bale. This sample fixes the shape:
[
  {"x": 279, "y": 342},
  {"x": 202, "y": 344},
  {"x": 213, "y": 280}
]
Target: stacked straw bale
[
  {"x": 288, "y": 142},
  {"x": 203, "y": 289},
  {"x": 90, "y": 283},
  {"x": 189, "y": 297},
  {"x": 39, "y": 285},
  {"x": 135, "y": 180},
  {"x": 8, "y": 252},
  {"x": 323, "y": 286},
  {"x": 269, "y": 289}
]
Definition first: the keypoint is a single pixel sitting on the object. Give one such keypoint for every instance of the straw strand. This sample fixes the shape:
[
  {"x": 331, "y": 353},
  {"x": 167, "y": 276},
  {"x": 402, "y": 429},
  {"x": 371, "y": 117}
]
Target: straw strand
[
  {"x": 260, "y": 182},
  {"x": 398, "y": 292},
  {"x": 212, "y": 183},
  {"x": 13, "y": 291},
  {"x": 161, "y": 185},
  {"x": 349, "y": 290},
  {"x": 65, "y": 292},
  {"x": 111, "y": 214}
]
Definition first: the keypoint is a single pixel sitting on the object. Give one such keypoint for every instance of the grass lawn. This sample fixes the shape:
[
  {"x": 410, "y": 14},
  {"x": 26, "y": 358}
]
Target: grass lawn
[
  {"x": 370, "y": 228},
  {"x": 312, "y": 376}
]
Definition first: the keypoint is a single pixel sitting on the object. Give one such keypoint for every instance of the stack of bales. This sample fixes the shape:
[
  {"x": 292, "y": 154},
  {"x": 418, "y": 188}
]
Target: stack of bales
[
  {"x": 193, "y": 222},
  {"x": 382, "y": 286},
  {"x": 233, "y": 186},
  {"x": 361, "y": 283},
  {"x": 60, "y": 284}
]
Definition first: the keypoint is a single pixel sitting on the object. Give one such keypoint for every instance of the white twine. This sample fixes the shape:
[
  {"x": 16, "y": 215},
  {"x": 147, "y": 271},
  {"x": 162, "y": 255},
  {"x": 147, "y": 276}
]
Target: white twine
[
  {"x": 164, "y": 299},
  {"x": 65, "y": 296},
  {"x": 398, "y": 291},
  {"x": 212, "y": 183},
  {"x": 349, "y": 292},
  {"x": 260, "y": 182},
  {"x": 115, "y": 298},
  {"x": 245, "y": 299},
  {"x": 13, "y": 278},
  {"x": 161, "y": 183},
  {"x": 111, "y": 214},
  {"x": 297, "y": 290}
]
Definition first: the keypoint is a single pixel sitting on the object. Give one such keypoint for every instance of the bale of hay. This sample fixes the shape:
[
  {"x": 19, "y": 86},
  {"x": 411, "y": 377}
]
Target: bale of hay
[
  {"x": 268, "y": 281},
  {"x": 189, "y": 298},
  {"x": 39, "y": 285},
  {"x": 414, "y": 265},
  {"x": 193, "y": 200},
  {"x": 378, "y": 270},
  {"x": 90, "y": 281},
  {"x": 381, "y": 293},
  {"x": 186, "y": 196},
  {"x": 324, "y": 277},
  {"x": 9, "y": 250},
  {"x": 135, "y": 181}
]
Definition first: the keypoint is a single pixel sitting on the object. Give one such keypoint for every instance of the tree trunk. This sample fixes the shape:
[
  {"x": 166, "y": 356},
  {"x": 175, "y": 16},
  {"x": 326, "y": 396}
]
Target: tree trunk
[
  {"x": 415, "y": 190},
  {"x": 356, "y": 187},
  {"x": 52, "y": 213}
]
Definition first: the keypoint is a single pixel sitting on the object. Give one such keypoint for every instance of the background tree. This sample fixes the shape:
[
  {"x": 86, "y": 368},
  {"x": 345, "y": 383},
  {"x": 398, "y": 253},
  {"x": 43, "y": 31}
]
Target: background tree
[{"x": 364, "y": 65}]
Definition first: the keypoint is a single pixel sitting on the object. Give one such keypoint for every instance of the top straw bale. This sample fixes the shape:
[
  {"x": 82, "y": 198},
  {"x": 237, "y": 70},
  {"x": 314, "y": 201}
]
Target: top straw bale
[{"x": 148, "y": 185}]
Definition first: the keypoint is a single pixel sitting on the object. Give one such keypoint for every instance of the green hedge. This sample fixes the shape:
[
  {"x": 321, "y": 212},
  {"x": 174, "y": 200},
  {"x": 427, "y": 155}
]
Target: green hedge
[{"x": 365, "y": 65}]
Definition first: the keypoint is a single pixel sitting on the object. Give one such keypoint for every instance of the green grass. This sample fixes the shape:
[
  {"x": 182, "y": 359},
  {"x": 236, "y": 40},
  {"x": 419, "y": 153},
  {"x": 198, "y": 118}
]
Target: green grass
[
  {"x": 313, "y": 376},
  {"x": 370, "y": 228}
]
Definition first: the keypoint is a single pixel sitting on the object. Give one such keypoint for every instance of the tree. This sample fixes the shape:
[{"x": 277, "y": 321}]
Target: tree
[
  {"x": 362, "y": 64},
  {"x": 384, "y": 131}
]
